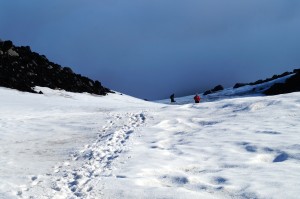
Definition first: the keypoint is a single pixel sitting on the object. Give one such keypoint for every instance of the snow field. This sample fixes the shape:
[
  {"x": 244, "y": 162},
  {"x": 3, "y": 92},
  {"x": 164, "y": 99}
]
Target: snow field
[
  {"x": 83, "y": 146},
  {"x": 234, "y": 148},
  {"x": 42, "y": 134}
]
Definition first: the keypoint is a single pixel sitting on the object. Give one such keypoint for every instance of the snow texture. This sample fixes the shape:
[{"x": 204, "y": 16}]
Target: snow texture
[{"x": 70, "y": 145}]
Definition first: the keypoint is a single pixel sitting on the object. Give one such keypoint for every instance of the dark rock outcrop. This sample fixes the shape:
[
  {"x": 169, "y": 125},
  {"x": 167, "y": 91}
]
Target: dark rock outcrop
[
  {"x": 296, "y": 70},
  {"x": 207, "y": 92},
  {"x": 237, "y": 85},
  {"x": 22, "y": 69},
  {"x": 292, "y": 84},
  {"x": 215, "y": 89}
]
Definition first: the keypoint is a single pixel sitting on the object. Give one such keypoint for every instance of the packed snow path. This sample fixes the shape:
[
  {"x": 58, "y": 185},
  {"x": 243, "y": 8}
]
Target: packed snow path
[
  {"x": 72, "y": 180},
  {"x": 42, "y": 137}
]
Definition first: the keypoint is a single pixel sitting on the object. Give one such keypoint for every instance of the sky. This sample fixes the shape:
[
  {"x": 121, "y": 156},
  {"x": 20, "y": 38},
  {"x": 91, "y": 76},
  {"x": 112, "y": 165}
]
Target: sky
[{"x": 151, "y": 49}]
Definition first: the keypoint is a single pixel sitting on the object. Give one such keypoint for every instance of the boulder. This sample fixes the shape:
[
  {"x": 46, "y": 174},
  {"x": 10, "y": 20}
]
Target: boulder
[
  {"x": 6, "y": 45},
  {"x": 68, "y": 70},
  {"x": 13, "y": 53}
]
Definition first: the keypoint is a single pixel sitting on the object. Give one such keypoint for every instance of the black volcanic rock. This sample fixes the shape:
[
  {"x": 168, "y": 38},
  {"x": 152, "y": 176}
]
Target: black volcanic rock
[
  {"x": 292, "y": 84},
  {"x": 296, "y": 70},
  {"x": 6, "y": 45},
  {"x": 22, "y": 69},
  {"x": 207, "y": 92},
  {"x": 215, "y": 89},
  {"x": 218, "y": 88},
  {"x": 238, "y": 85}
]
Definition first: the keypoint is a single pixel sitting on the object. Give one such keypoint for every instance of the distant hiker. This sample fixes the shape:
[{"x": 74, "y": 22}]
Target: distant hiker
[
  {"x": 197, "y": 98},
  {"x": 172, "y": 98}
]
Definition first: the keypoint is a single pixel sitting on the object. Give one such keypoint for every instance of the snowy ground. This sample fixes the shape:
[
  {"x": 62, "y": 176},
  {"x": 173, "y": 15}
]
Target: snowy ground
[{"x": 66, "y": 145}]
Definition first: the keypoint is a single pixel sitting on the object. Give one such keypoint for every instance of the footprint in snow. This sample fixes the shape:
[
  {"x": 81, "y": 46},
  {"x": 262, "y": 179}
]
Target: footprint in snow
[
  {"x": 248, "y": 147},
  {"x": 281, "y": 157},
  {"x": 209, "y": 123},
  {"x": 34, "y": 180},
  {"x": 219, "y": 180},
  {"x": 120, "y": 176},
  {"x": 268, "y": 132},
  {"x": 174, "y": 180},
  {"x": 251, "y": 148}
]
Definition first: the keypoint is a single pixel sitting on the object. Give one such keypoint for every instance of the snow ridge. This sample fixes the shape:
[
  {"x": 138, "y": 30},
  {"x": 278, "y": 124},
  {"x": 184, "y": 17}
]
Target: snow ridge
[{"x": 76, "y": 178}]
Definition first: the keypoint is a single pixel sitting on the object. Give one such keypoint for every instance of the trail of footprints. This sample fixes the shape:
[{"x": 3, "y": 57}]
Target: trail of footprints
[{"x": 70, "y": 180}]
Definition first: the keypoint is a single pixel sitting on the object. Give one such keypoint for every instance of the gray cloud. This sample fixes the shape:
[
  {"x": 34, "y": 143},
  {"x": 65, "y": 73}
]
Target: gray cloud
[{"x": 150, "y": 49}]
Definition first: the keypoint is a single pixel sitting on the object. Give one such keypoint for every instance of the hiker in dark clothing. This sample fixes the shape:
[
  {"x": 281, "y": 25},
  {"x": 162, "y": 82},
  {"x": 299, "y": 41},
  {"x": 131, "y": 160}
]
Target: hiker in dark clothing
[
  {"x": 172, "y": 98},
  {"x": 197, "y": 98}
]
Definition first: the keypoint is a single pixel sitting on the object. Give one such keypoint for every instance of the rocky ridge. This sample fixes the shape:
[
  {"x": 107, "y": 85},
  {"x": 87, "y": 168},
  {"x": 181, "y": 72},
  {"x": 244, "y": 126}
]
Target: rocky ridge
[
  {"x": 292, "y": 84},
  {"x": 22, "y": 69}
]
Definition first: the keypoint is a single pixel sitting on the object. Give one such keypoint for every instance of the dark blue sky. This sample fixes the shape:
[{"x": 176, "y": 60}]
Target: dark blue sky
[{"x": 150, "y": 49}]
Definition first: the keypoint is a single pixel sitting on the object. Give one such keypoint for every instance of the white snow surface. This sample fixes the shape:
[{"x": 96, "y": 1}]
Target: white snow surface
[{"x": 71, "y": 145}]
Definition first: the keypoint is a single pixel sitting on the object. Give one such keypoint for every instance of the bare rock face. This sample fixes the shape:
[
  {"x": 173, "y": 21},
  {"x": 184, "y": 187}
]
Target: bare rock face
[{"x": 22, "y": 69}]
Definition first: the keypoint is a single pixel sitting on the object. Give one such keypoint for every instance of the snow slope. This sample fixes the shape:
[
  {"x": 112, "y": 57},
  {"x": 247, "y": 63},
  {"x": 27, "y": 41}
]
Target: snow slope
[
  {"x": 248, "y": 90},
  {"x": 67, "y": 145}
]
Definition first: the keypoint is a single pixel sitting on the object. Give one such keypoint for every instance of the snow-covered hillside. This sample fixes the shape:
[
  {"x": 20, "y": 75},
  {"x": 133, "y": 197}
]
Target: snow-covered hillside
[
  {"x": 227, "y": 93},
  {"x": 67, "y": 145}
]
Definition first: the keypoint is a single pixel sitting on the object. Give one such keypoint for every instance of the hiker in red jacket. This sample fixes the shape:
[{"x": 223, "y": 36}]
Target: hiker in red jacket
[{"x": 197, "y": 98}]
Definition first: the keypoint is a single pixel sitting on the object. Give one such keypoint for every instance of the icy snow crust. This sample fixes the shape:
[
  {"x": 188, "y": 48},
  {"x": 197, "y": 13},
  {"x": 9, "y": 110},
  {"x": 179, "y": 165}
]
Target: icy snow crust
[{"x": 67, "y": 145}]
